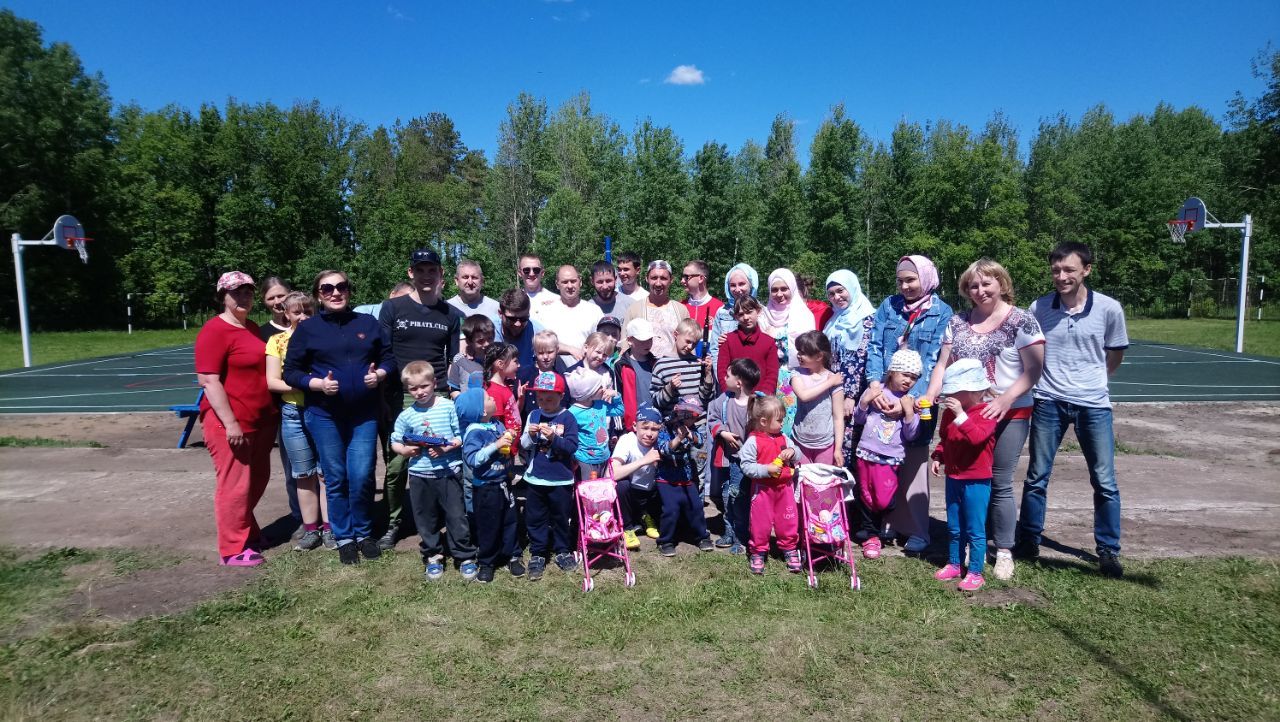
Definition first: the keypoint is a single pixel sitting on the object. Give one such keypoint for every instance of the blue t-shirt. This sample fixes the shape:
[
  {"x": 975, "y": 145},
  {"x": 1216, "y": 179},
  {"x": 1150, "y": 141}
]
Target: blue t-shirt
[{"x": 439, "y": 419}]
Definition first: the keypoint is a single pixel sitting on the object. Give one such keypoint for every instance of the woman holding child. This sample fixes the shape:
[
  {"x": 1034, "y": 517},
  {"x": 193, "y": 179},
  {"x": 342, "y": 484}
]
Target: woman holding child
[
  {"x": 1009, "y": 344},
  {"x": 849, "y": 330}
]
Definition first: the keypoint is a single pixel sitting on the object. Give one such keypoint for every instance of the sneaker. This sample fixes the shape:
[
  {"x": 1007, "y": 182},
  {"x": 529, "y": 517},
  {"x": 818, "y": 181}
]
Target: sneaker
[
  {"x": 971, "y": 583},
  {"x": 516, "y": 567},
  {"x": 1026, "y": 551},
  {"x": 388, "y": 540},
  {"x": 309, "y": 540},
  {"x": 949, "y": 572},
  {"x": 435, "y": 569},
  {"x": 329, "y": 540},
  {"x": 348, "y": 554},
  {"x": 633, "y": 542},
  {"x": 369, "y": 548},
  {"x": 485, "y": 575},
  {"x": 1004, "y": 565},
  {"x": 871, "y": 548},
  {"x": 469, "y": 569},
  {"x": 792, "y": 558},
  {"x": 915, "y": 545},
  {"x": 667, "y": 550},
  {"x": 536, "y": 566},
  {"x": 650, "y": 528},
  {"x": 706, "y": 545},
  {"x": 737, "y": 549},
  {"x": 757, "y": 563},
  {"x": 1109, "y": 564},
  {"x": 725, "y": 542},
  {"x": 566, "y": 561}
]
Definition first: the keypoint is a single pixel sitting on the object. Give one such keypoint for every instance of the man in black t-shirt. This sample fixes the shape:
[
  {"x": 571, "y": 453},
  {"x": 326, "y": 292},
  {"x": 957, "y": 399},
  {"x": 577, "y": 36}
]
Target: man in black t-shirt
[{"x": 422, "y": 327}]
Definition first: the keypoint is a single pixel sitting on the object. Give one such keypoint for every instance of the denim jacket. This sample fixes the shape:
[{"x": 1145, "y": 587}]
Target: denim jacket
[{"x": 926, "y": 338}]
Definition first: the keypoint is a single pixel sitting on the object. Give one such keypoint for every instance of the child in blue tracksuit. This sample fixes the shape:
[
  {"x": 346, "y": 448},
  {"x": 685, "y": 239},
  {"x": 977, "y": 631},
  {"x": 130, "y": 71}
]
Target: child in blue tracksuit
[
  {"x": 678, "y": 447},
  {"x": 593, "y": 406},
  {"x": 550, "y": 440},
  {"x": 486, "y": 450}
]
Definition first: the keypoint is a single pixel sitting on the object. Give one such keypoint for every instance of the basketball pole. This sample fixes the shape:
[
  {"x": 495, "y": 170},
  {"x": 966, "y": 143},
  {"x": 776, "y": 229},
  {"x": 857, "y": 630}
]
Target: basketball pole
[
  {"x": 19, "y": 245},
  {"x": 1246, "y": 231}
]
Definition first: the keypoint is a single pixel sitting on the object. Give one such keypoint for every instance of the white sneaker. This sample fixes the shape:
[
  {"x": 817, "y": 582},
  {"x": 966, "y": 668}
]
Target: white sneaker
[{"x": 1004, "y": 564}]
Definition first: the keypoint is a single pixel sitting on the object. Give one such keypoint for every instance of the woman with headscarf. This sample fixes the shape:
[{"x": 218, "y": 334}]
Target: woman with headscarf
[
  {"x": 849, "y": 330},
  {"x": 741, "y": 281},
  {"x": 785, "y": 317},
  {"x": 914, "y": 318}
]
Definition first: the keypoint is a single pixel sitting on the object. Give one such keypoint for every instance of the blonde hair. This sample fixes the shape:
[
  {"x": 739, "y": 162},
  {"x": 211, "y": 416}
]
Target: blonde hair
[
  {"x": 545, "y": 337},
  {"x": 688, "y": 327},
  {"x": 991, "y": 269},
  {"x": 600, "y": 339},
  {"x": 418, "y": 373},
  {"x": 303, "y": 301},
  {"x": 761, "y": 408}
]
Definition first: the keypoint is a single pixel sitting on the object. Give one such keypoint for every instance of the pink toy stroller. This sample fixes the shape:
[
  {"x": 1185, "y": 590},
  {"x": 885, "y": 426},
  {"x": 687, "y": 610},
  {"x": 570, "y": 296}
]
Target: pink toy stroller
[
  {"x": 600, "y": 532},
  {"x": 823, "y": 489}
]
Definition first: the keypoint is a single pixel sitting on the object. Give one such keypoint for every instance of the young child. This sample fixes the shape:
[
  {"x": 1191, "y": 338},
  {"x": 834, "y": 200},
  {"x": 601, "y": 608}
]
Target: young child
[
  {"x": 593, "y": 407},
  {"x": 966, "y": 444},
  {"x": 748, "y": 341},
  {"x": 611, "y": 326},
  {"x": 550, "y": 439},
  {"x": 767, "y": 459},
  {"x": 478, "y": 332},
  {"x": 635, "y": 470},
  {"x": 597, "y": 350},
  {"x": 678, "y": 445},
  {"x": 501, "y": 366},
  {"x": 486, "y": 449},
  {"x": 727, "y": 420},
  {"x": 684, "y": 375},
  {"x": 634, "y": 371},
  {"x": 435, "y": 473},
  {"x": 818, "y": 429},
  {"x": 546, "y": 357},
  {"x": 881, "y": 448}
]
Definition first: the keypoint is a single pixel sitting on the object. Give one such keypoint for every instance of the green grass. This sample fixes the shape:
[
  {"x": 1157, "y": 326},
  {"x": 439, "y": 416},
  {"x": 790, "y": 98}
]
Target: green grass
[
  {"x": 28, "y": 441},
  {"x": 698, "y": 637},
  {"x": 1260, "y": 337},
  {"x": 58, "y": 346}
]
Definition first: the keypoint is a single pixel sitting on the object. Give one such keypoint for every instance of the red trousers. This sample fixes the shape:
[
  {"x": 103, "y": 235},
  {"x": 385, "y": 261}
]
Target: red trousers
[
  {"x": 773, "y": 508},
  {"x": 242, "y": 475},
  {"x": 877, "y": 483}
]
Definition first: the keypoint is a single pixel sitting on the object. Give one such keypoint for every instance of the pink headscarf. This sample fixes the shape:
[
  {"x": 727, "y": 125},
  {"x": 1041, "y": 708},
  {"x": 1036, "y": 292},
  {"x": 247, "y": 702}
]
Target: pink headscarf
[
  {"x": 928, "y": 274},
  {"x": 795, "y": 314}
]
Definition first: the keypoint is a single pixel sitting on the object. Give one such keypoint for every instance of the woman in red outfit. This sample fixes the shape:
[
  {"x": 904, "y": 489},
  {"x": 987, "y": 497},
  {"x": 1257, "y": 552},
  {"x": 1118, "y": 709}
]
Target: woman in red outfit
[{"x": 238, "y": 417}]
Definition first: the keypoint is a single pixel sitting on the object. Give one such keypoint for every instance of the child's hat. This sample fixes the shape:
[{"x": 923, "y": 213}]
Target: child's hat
[
  {"x": 688, "y": 405},
  {"x": 640, "y": 329},
  {"x": 549, "y": 381},
  {"x": 906, "y": 361},
  {"x": 475, "y": 380},
  {"x": 648, "y": 413},
  {"x": 965, "y": 374},
  {"x": 610, "y": 321},
  {"x": 470, "y": 406},
  {"x": 583, "y": 383}
]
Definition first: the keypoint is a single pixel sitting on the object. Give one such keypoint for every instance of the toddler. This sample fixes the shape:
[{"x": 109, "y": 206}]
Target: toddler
[
  {"x": 881, "y": 448},
  {"x": 767, "y": 459},
  {"x": 635, "y": 469},
  {"x": 486, "y": 449},
  {"x": 678, "y": 445},
  {"x": 593, "y": 406}
]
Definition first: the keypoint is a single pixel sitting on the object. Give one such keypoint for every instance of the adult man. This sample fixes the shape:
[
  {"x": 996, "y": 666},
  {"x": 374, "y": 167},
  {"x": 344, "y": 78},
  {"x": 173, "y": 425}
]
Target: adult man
[
  {"x": 571, "y": 318},
  {"x": 629, "y": 264},
  {"x": 530, "y": 275},
  {"x": 701, "y": 304},
  {"x": 1085, "y": 339},
  {"x": 422, "y": 328},
  {"x": 659, "y": 310},
  {"x": 516, "y": 327},
  {"x": 604, "y": 279},
  {"x": 470, "y": 298}
]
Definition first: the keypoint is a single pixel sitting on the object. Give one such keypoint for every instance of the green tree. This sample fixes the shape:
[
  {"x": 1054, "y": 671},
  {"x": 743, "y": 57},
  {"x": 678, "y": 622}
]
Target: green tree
[
  {"x": 712, "y": 219},
  {"x": 785, "y": 217},
  {"x": 834, "y": 188},
  {"x": 656, "y": 195},
  {"x": 522, "y": 178}
]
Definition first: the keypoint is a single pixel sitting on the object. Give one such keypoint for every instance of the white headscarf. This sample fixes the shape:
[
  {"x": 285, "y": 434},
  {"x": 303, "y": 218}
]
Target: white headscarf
[{"x": 795, "y": 316}]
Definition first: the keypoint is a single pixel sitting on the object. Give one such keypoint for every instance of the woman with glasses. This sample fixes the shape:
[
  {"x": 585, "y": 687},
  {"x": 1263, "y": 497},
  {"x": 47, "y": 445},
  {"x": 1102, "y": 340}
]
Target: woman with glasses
[{"x": 340, "y": 357}]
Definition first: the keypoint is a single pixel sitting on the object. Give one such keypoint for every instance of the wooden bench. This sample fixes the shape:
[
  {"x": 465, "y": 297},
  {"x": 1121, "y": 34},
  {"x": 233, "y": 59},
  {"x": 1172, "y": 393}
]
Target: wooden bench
[{"x": 190, "y": 412}]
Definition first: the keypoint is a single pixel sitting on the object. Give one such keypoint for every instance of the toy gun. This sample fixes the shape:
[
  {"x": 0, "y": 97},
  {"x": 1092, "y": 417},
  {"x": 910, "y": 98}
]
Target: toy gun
[
  {"x": 705, "y": 346},
  {"x": 424, "y": 440}
]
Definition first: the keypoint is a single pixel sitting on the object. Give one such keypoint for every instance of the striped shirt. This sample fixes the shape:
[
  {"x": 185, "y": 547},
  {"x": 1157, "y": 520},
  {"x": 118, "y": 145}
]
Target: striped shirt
[
  {"x": 689, "y": 369},
  {"x": 438, "y": 419}
]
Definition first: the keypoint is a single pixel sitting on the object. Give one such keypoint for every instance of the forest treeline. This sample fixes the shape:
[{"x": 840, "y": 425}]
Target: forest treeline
[{"x": 175, "y": 196}]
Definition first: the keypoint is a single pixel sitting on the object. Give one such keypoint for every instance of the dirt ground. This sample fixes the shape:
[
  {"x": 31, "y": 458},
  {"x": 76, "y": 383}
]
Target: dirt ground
[{"x": 1195, "y": 479}]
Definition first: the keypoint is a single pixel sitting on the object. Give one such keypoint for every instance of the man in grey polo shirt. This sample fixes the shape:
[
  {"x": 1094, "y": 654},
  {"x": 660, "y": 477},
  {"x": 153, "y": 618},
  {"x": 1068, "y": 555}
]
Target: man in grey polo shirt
[{"x": 1085, "y": 339}]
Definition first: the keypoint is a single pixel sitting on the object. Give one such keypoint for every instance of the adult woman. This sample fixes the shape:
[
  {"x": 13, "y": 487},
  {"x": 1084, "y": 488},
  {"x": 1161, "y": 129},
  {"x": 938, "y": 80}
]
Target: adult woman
[
  {"x": 239, "y": 433},
  {"x": 1010, "y": 345},
  {"x": 274, "y": 289},
  {"x": 340, "y": 357},
  {"x": 785, "y": 317},
  {"x": 741, "y": 281},
  {"x": 659, "y": 309},
  {"x": 913, "y": 318},
  {"x": 849, "y": 329}
]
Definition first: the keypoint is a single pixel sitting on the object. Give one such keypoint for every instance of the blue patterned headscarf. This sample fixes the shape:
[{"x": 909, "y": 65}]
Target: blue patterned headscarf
[{"x": 845, "y": 327}]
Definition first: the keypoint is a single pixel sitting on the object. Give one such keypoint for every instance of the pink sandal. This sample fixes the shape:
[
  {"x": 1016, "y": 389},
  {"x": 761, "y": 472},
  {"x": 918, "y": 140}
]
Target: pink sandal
[{"x": 246, "y": 558}]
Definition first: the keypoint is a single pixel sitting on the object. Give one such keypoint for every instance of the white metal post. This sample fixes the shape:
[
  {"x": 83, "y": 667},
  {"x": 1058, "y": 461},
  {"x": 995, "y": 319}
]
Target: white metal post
[
  {"x": 16, "y": 241},
  {"x": 128, "y": 311},
  {"x": 1247, "y": 231}
]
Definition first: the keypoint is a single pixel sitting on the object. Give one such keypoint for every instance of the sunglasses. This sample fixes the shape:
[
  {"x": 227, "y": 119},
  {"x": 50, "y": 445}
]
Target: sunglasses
[
  {"x": 339, "y": 287},
  {"x": 687, "y": 276},
  {"x": 531, "y": 270},
  {"x": 516, "y": 319}
]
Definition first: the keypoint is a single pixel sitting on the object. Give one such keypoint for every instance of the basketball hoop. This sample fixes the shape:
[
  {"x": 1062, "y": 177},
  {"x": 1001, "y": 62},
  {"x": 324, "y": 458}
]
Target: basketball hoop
[{"x": 1178, "y": 230}]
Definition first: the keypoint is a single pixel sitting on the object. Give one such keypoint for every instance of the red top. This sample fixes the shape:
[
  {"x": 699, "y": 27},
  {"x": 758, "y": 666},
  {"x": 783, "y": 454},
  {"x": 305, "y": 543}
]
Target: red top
[
  {"x": 239, "y": 357},
  {"x": 757, "y": 346},
  {"x": 821, "y": 311},
  {"x": 767, "y": 449},
  {"x": 966, "y": 449},
  {"x": 705, "y": 313},
  {"x": 505, "y": 402}
]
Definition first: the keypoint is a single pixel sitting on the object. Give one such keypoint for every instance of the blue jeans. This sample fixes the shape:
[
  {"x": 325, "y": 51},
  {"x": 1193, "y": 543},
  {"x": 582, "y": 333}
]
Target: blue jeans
[
  {"x": 297, "y": 450},
  {"x": 737, "y": 505},
  {"x": 1049, "y": 424},
  {"x": 346, "y": 448},
  {"x": 967, "y": 501}
]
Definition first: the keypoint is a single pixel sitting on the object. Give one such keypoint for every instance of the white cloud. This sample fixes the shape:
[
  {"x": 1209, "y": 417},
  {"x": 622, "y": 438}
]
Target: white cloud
[
  {"x": 395, "y": 12},
  {"x": 685, "y": 75}
]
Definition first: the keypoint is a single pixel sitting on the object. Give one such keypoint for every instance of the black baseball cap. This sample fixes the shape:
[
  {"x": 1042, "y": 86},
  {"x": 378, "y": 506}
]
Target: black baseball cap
[{"x": 425, "y": 255}]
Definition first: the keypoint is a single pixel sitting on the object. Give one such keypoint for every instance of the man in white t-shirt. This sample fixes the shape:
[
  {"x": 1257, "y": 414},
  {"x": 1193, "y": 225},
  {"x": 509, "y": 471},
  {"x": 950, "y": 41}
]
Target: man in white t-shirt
[
  {"x": 470, "y": 298},
  {"x": 569, "y": 316},
  {"x": 530, "y": 275},
  {"x": 629, "y": 265}
]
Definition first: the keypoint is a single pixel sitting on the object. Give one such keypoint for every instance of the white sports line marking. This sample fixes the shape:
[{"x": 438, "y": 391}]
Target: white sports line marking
[
  {"x": 95, "y": 393},
  {"x": 130, "y": 408},
  {"x": 1186, "y": 396},
  {"x": 1196, "y": 386},
  {"x": 99, "y": 376},
  {"x": 1219, "y": 355}
]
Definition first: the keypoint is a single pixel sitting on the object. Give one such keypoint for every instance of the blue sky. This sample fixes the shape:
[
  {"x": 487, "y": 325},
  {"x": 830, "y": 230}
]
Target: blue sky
[{"x": 378, "y": 61}]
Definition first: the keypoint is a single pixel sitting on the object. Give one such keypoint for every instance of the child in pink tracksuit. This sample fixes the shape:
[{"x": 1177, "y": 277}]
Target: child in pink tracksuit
[
  {"x": 880, "y": 450},
  {"x": 767, "y": 458}
]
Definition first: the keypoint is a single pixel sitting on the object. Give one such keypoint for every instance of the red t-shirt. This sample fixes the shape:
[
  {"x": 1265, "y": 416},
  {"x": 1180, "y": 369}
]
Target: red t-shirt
[
  {"x": 505, "y": 402},
  {"x": 968, "y": 449},
  {"x": 703, "y": 314},
  {"x": 239, "y": 357}
]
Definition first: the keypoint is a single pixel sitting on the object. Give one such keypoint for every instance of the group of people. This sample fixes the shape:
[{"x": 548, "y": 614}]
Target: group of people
[{"x": 488, "y": 411}]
